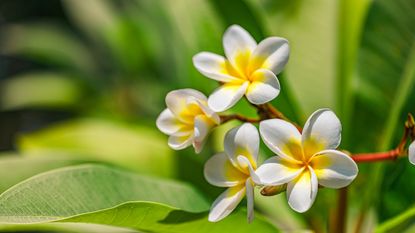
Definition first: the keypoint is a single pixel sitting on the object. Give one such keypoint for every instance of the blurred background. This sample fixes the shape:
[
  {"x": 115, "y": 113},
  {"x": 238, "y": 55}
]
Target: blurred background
[{"x": 85, "y": 81}]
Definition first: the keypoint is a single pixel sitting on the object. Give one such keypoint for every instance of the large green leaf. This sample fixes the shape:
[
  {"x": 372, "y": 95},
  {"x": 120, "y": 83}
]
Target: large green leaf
[
  {"x": 98, "y": 194},
  {"x": 135, "y": 147}
]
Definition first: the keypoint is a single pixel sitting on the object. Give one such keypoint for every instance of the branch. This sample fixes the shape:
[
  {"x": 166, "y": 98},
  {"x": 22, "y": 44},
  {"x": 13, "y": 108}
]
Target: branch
[{"x": 226, "y": 118}]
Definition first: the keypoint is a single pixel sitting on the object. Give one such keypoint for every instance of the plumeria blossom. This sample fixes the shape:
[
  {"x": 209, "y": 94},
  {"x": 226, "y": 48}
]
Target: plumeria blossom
[
  {"x": 249, "y": 68},
  {"x": 235, "y": 169},
  {"x": 305, "y": 160},
  {"x": 187, "y": 119},
  {"x": 411, "y": 153}
]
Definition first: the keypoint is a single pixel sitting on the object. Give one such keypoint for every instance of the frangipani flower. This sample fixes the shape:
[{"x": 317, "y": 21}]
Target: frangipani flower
[
  {"x": 234, "y": 168},
  {"x": 306, "y": 160},
  {"x": 187, "y": 119},
  {"x": 249, "y": 68},
  {"x": 411, "y": 153}
]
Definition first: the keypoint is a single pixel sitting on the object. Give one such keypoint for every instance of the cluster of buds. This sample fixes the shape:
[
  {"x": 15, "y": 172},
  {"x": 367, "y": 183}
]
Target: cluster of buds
[{"x": 305, "y": 158}]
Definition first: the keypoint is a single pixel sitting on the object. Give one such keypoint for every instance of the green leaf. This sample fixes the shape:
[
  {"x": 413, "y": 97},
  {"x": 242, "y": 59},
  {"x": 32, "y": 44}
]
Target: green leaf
[
  {"x": 40, "y": 89},
  {"x": 311, "y": 31},
  {"x": 48, "y": 43},
  {"x": 98, "y": 194},
  {"x": 398, "y": 223},
  {"x": 64, "y": 227},
  {"x": 138, "y": 148},
  {"x": 25, "y": 167}
]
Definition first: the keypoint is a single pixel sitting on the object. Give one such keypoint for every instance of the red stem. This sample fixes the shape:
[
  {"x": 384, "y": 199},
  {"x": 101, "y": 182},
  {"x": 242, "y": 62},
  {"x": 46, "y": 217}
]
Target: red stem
[{"x": 379, "y": 156}]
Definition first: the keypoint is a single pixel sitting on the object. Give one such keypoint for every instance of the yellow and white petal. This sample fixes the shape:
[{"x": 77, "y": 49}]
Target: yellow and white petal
[
  {"x": 167, "y": 122},
  {"x": 220, "y": 172},
  {"x": 245, "y": 164},
  {"x": 334, "y": 169},
  {"x": 212, "y": 66},
  {"x": 272, "y": 53},
  {"x": 180, "y": 142},
  {"x": 238, "y": 45},
  {"x": 242, "y": 140},
  {"x": 202, "y": 126},
  {"x": 177, "y": 100},
  {"x": 321, "y": 131},
  {"x": 277, "y": 171},
  {"x": 302, "y": 191},
  {"x": 226, "y": 96},
  {"x": 263, "y": 88},
  {"x": 226, "y": 203},
  {"x": 411, "y": 153},
  {"x": 209, "y": 112},
  {"x": 283, "y": 138},
  {"x": 249, "y": 200}
]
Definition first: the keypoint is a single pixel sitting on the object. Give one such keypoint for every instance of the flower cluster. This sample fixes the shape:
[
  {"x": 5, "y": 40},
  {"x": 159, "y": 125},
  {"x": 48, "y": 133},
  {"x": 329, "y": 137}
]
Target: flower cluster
[{"x": 305, "y": 159}]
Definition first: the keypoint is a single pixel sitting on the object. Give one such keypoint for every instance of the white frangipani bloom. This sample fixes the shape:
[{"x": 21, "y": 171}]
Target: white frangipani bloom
[
  {"x": 411, "y": 153},
  {"x": 187, "y": 119},
  {"x": 234, "y": 168},
  {"x": 249, "y": 68},
  {"x": 306, "y": 160}
]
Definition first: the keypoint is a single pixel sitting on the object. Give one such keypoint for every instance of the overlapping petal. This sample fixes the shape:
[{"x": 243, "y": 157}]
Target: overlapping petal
[
  {"x": 411, "y": 153},
  {"x": 226, "y": 96},
  {"x": 302, "y": 191},
  {"x": 180, "y": 142},
  {"x": 322, "y": 131},
  {"x": 226, "y": 203},
  {"x": 250, "y": 200},
  {"x": 277, "y": 171},
  {"x": 242, "y": 140},
  {"x": 220, "y": 172},
  {"x": 167, "y": 122},
  {"x": 263, "y": 88},
  {"x": 334, "y": 169},
  {"x": 213, "y": 66},
  {"x": 282, "y": 138},
  {"x": 272, "y": 53}
]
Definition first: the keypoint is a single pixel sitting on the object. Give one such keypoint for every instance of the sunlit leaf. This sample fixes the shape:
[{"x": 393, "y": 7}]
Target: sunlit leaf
[{"x": 98, "y": 194}]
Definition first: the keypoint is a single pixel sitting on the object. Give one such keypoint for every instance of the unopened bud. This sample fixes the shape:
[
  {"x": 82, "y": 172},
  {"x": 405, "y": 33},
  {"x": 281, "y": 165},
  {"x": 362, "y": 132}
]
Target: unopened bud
[{"x": 273, "y": 190}]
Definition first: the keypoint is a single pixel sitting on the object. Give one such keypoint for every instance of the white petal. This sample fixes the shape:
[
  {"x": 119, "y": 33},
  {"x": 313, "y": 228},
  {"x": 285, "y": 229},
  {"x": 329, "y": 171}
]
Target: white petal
[
  {"x": 302, "y": 191},
  {"x": 220, "y": 172},
  {"x": 226, "y": 96},
  {"x": 411, "y": 153},
  {"x": 245, "y": 163},
  {"x": 201, "y": 130},
  {"x": 282, "y": 138},
  {"x": 264, "y": 87},
  {"x": 334, "y": 169},
  {"x": 250, "y": 200},
  {"x": 180, "y": 142},
  {"x": 177, "y": 100},
  {"x": 226, "y": 203},
  {"x": 209, "y": 112},
  {"x": 277, "y": 171},
  {"x": 242, "y": 140},
  {"x": 212, "y": 66},
  {"x": 167, "y": 122},
  {"x": 237, "y": 40},
  {"x": 272, "y": 53},
  {"x": 322, "y": 127}
]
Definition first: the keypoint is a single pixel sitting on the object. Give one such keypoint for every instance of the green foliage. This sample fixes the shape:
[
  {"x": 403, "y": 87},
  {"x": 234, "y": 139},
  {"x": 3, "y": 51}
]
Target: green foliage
[
  {"x": 138, "y": 148},
  {"x": 102, "y": 195}
]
